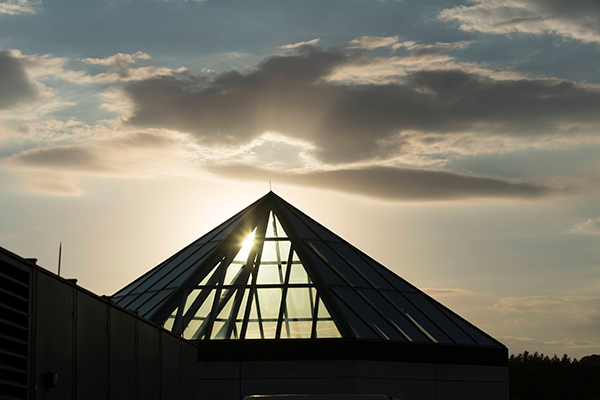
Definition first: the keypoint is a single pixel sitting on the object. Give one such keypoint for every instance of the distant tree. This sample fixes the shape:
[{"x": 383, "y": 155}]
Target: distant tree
[{"x": 539, "y": 377}]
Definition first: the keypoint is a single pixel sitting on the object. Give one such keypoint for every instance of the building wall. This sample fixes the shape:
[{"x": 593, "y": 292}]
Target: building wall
[
  {"x": 409, "y": 381},
  {"x": 101, "y": 351},
  {"x": 98, "y": 350}
]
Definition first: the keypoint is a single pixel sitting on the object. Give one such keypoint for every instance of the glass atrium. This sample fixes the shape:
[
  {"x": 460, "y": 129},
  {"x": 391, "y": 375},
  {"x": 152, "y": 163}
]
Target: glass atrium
[{"x": 271, "y": 272}]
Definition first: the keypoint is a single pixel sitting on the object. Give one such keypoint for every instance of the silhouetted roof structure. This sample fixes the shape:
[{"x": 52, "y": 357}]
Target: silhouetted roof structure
[{"x": 272, "y": 272}]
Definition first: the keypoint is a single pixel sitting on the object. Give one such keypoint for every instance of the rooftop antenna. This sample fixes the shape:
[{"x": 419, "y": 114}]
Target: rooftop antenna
[
  {"x": 270, "y": 188},
  {"x": 59, "y": 256}
]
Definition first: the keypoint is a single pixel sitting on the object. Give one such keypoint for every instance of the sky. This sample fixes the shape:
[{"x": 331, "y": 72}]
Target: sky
[{"x": 457, "y": 143}]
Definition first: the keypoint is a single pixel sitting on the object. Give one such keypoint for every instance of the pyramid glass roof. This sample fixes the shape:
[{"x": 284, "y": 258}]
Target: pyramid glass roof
[{"x": 272, "y": 272}]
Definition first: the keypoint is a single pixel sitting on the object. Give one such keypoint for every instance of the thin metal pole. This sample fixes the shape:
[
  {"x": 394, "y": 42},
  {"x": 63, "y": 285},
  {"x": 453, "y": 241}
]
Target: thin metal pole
[{"x": 59, "y": 256}]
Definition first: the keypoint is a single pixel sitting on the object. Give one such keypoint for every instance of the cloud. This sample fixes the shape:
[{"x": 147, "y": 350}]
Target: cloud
[
  {"x": 580, "y": 308},
  {"x": 15, "y": 7},
  {"x": 394, "y": 184},
  {"x": 590, "y": 226},
  {"x": 300, "y": 44},
  {"x": 121, "y": 70},
  {"x": 16, "y": 87},
  {"x": 56, "y": 170},
  {"x": 373, "y": 42},
  {"x": 351, "y": 121},
  {"x": 574, "y": 19}
]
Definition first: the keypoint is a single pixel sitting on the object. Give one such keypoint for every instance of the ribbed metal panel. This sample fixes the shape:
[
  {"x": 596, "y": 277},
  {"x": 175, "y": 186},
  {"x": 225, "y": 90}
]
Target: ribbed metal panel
[{"x": 14, "y": 331}]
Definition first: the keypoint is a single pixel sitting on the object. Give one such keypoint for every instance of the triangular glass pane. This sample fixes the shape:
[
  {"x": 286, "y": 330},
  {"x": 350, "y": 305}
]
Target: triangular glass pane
[
  {"x": 210, "y": 278},
  {"x": 327, "y": 329},
  {"x": 192, "y": 330},
  {"x": 239, "y": 321},
  {"x": 298, "y": 272},
  {"x": 229, "y": 301},
  {"x": 323, "y": 313},
  {"x": 274, "y": 228},
  {"x": 235, "y": 272},
  {"x": 168, "y": 325}
]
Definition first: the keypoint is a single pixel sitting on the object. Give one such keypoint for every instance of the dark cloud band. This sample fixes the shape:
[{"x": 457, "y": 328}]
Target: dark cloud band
[{"x": 396, "y": 184}]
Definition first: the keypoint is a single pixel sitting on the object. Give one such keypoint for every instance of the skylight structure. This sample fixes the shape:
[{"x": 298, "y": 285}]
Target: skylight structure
[{"x": 272, "y": 272}]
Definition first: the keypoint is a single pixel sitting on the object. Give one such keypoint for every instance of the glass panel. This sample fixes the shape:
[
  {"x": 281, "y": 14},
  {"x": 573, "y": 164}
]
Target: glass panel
[
  {"x": 336, "y": 263},
  {"x": 168, "y": 325},
  {"x": 254, "y": 331},
  {"x": 394, "y": 279},
  {"x": 362, "y": 308},
  {"x": 323, "y": 312},
  {"x": 168, "y": 266},
  {"x": 271, "y": 274},
  {"x": 233, "y": 271},
  {"x": 141, "y": 298},
  {"x": 299, "y": 227},
  {"x": 299, "y": 330},
  {"x": 274, "y": 228},
  {"x": 275, "y": 252},
  {"x": 361, "y": 330},
  {"x": 229, "y": 297},
  {"x": 300, "y": 302},
  {"x": 269, "y": 328},
  {"x": 191, "y": 331},
  {"x": 416, "y": 317},
  {"x": 269, "y": 301},
  {"x": 218, "y": 328},
  {"x": 394, "y": 316},
  {"x": 223, "y": 234},
  {"x": 208, "y": 276},
  {"x": 317, "y": 228},
  {"x": 327, "y": 329},
  {"x": 154, "y": 301},
  {"x": 298, "y": 273},
  {"x": 326, "y": 272},
  {"x": 439, "y": 318},
  {"x": 123, "y": 301},
  {"x": 359, "y": 264},
  {"x": 184, "y": 270},
  {"x": 479, "y": 337},
  {"x": 219, "y": 229}
]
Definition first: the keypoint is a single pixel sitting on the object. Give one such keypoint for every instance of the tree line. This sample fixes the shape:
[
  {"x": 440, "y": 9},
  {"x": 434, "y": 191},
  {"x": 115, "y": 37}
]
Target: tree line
[{"x": 536, "y": 376}]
